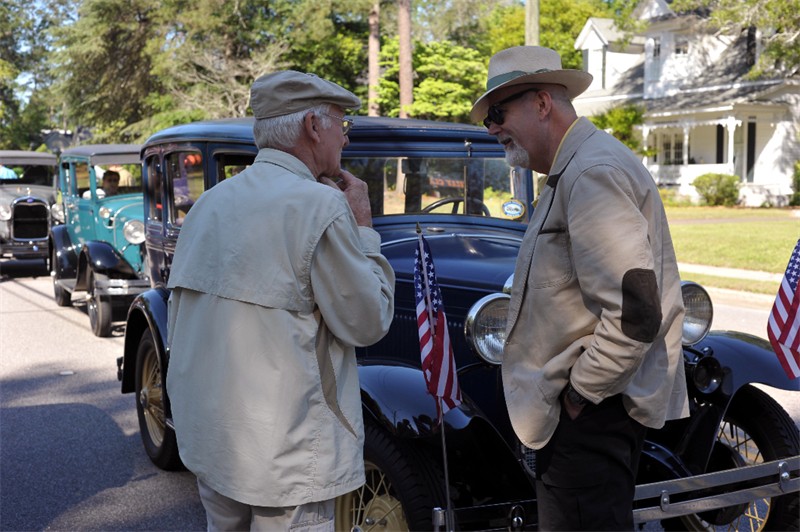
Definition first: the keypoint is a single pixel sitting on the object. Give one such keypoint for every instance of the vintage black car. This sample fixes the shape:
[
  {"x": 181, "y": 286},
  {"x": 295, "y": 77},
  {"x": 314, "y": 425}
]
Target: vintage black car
[
  {"x": 27, "y": 192},
  {"x": 734, "y": 460},
  {"x": 98, "y": 251}
]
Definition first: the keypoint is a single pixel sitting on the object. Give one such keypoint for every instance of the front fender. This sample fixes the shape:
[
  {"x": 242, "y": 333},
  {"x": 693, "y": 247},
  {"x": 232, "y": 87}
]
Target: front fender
[
  {"x": 750, "y": 359},
  {"x": 396, "y": 397},
  {"x": 148, "y": 310},
  {"x": 66, "y": 257},
  {"x": 103, "y": 258}
]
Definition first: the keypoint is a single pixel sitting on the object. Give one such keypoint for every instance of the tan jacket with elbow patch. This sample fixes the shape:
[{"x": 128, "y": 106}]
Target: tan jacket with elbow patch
[{"x": 596, "y": 298}]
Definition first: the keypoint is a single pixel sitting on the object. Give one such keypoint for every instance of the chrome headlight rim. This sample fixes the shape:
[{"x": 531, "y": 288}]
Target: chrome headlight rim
[
  {"x": 133, "y": 230},
  {"x": 57, "y": 212},
  {"x": 698, "y": 315},
  {"x": 105, "y": 213},
  {"x": 490, "y": 350},
  {"x": 5, "y": 213}
]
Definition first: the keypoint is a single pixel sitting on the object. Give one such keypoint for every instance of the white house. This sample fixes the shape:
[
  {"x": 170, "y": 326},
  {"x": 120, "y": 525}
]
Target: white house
[{"x": 701, "y": 113}]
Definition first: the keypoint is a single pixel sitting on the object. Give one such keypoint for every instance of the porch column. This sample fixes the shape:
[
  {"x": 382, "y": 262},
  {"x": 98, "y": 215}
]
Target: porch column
[
  {"x": 686, "y": 129},
  {"x": 645, "y": 135},
  {"x": 730, "y": 127}
]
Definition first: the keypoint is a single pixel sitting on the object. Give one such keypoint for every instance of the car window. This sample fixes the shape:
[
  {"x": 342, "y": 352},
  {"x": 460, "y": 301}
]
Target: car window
[
  {"x": 230, "y": 164},
  {"x": 154, "y": 186},
  {"x": 27, "y": 174},
  {"x": 184, "y": 169},
  {"x": 81, "y": 177},
  {"x": 128, "y": 178},
  {"x": 473, "y": 186}
]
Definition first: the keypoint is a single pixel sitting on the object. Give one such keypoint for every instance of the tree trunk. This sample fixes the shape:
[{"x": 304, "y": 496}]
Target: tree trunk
[
  {"x": 406, "y": 71},
  {"x": 374, "y": 49}
]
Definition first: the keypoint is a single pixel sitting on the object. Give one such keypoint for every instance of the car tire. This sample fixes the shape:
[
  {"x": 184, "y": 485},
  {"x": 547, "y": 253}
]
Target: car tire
[
  {"x": 99, "y": 309},
  {"x": 403, "y": 485},
  {"x": 755, "y": 429},
  {"x": 157, "y": 437},
  {"x": 63, "y": 297}
]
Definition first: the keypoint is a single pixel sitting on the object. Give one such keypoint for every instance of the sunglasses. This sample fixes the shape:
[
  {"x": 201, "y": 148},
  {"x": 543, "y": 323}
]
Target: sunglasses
[
  {"x": 495, "y": 114},
  {"x": 347, "y": 124}
]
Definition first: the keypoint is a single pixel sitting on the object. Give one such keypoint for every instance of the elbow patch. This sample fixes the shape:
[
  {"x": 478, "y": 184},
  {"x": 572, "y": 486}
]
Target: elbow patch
[{"x": 641, "y": 306}]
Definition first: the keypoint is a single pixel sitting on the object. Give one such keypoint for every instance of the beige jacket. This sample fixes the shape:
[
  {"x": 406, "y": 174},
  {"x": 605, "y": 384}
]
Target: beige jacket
[
  {"x": 596, "y": 296},
  {"x": 273, "y": 286}
]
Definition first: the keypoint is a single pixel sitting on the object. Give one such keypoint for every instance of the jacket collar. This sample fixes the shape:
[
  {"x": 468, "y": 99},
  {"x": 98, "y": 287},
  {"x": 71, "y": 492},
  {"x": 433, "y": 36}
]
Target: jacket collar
[
  {"x": 577, "y": 134},
  {"x": 286, "y": 161}
]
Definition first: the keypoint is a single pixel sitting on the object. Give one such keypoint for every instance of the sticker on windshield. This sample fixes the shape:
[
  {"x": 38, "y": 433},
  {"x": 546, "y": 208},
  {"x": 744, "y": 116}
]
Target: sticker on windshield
[{"x": 514, "y": 209}]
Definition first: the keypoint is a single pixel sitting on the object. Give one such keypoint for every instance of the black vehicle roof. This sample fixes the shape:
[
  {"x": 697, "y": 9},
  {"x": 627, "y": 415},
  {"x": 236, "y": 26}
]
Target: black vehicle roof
[
  {"x": 382, "y": 133},
  {"x": 27, "y": 157},
  {"x": 106, "y": 153}
]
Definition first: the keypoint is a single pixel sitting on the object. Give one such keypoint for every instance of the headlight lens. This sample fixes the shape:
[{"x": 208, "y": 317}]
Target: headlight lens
[
  {"x": 105, "y": 213},
  {"x": 5, "y": 213},
  {"x": 485, "y": 327},
  {"x": 699, "y": 313},
  {"x": 133, "y": 231},
  {"x": 57, "y": 212}
]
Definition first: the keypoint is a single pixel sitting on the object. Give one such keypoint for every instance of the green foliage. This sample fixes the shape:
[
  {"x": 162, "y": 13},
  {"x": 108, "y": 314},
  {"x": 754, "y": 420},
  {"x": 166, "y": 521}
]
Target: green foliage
[
  {"x": 620, "y": 122},
  {"x": 449, "y": 77},
  {"x": 794, "y": 200},
  {"x": 560, "y": 23},
  {"x": 671, "y": 198},
  {"x": 718, "y": 189}
]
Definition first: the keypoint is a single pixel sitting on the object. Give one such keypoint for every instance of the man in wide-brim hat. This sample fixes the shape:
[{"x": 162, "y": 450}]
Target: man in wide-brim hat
[{"x": 593, "y": 352}]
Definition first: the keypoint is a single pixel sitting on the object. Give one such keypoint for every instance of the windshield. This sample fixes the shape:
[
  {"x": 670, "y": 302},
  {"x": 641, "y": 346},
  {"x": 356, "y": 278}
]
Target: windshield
[
  {"x": 27, "y": 174},
  {"x": 471, "y": 186}
]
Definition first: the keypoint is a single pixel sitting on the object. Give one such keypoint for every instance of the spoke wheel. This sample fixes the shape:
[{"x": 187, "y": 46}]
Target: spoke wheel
[
  {"x": 99, "y": 309},
  {"x": 158, "y": 438},
  {"x": 63, "y": 297},
  {"x": 755, "y": 430},
  {"x": 403, "y": 485}
]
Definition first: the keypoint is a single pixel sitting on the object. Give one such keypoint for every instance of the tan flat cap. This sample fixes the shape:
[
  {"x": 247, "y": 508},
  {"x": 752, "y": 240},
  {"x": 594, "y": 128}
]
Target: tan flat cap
[
  {"x": 288, "y": 91},
  {"x": 528, "y": 64}
]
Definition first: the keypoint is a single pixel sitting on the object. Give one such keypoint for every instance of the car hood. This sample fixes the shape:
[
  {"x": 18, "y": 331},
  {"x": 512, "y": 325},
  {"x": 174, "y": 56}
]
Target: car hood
[
  {"x": 9, "y": 193},
  {"x": 479, "y": 254},
  {"x": 129, "y": 205}
]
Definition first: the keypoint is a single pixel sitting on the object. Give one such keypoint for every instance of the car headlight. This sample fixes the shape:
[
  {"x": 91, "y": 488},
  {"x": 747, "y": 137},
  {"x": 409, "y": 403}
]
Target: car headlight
[
  {"x": 57, "y": 212},
  {"x": 699, "y": 312},
  {"x": 5, "y": 213},
  {"x": 485, "y": 327},
  {"x": 133, "y": 231},
  {"x": 105, "y": 213}
]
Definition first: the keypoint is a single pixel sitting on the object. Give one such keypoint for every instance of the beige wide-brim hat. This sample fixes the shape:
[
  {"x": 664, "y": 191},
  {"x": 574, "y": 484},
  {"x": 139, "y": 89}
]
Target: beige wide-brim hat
[
  {"x": 288, "y": 91},
  {"x": 528, "y": 64}
]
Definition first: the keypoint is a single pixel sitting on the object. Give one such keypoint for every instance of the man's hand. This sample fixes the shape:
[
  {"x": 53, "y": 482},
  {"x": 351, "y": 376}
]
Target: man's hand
[{"x": 357, "y": 194}]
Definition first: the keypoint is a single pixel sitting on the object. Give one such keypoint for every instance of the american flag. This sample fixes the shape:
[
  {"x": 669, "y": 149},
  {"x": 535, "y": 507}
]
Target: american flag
[
  {"x": 783, "y": 328},
  {"x": 438, "y": 364}
]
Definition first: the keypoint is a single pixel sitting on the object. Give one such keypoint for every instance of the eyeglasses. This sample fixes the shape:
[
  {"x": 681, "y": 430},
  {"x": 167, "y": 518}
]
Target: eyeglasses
[
  {"x": 347, "y": 124},
  {"x": 495, "y": 114}
]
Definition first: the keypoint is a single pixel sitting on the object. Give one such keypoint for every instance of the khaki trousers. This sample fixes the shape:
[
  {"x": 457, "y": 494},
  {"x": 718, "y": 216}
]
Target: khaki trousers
[{"x": 226, "y": 514}]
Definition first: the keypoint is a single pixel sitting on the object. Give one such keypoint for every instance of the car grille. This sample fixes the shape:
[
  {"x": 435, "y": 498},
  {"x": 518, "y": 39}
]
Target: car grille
[{"x": 30, "y": 220}]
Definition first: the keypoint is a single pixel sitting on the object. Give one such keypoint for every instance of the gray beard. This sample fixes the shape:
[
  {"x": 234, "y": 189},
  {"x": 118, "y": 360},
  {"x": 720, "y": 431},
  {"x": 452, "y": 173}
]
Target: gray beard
[{"x": 516, "y": 156}]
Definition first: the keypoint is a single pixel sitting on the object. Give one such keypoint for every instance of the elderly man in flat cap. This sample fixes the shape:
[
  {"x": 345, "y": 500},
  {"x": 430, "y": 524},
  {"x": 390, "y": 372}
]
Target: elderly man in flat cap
[
  {"x": 277, "y": 275},
  {"x": 593, "y": 350}
]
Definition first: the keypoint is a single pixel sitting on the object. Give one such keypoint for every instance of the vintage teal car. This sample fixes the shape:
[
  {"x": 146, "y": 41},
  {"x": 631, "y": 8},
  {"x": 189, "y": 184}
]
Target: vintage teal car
[{"x": 98, "y": 251}]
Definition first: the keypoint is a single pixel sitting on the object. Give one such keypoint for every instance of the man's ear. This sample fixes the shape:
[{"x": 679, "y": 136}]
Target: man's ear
[{"x": 310, "y": 124}]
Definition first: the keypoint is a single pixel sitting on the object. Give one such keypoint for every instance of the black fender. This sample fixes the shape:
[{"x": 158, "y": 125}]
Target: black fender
[
  {"x": 66, "y": 256},
  {"x": 482, "y": 463},
  {"x": 744, "y": 359},
  {"x": 148, "y": 310},
  {"x": 103, "y": 258},
  {"x": 749, "y": 358}
]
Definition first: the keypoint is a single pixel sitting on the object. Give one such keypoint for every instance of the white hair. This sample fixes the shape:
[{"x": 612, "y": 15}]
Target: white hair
[{"x": 282, "y": 132}]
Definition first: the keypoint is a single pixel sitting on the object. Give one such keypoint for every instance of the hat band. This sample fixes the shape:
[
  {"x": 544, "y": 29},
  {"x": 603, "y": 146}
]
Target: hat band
[{"x": 508, "y": 76}]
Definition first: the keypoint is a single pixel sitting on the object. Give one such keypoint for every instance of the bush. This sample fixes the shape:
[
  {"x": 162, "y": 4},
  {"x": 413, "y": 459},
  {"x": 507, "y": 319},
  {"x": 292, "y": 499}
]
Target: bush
[
  {"x": 794, "y": 199},
  {"x": 718, "y": 189}
]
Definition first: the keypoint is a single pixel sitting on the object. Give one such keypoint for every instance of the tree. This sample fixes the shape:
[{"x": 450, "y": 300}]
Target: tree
[
  {"x": 373, "y": 77},
  {"x": 404, "y": 57},
  {"x": 777, "y": 21}
]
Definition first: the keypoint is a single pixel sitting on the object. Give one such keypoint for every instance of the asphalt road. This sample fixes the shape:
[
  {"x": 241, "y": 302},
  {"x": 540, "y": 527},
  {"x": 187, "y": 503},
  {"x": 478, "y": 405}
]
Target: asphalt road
[{"x": 70, "y": 452}]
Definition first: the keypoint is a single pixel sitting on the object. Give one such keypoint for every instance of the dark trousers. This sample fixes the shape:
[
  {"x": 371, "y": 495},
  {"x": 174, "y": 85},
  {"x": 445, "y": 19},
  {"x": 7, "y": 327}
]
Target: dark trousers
[{"x": 586, "y": 474}]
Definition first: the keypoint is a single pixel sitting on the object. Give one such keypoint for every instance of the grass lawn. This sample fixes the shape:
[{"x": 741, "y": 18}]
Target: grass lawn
[{"x": 751, "y": 239}]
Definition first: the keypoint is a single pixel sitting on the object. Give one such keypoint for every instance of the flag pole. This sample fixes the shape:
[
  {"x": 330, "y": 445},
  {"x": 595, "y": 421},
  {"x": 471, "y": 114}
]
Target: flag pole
[{"x": 449, "y": 518}]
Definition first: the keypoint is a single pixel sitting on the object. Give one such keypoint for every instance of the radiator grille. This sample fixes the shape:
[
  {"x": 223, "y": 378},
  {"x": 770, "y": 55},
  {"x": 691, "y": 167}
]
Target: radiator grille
[{"x": 30, "y": 220}]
